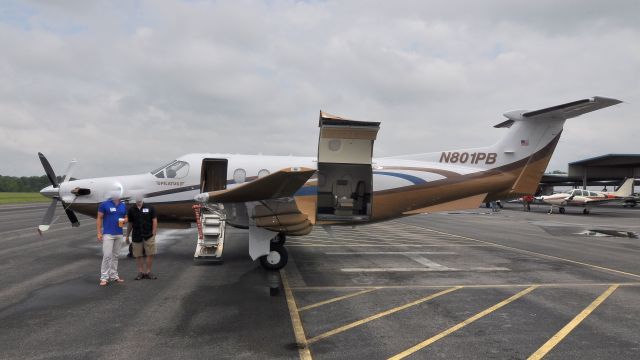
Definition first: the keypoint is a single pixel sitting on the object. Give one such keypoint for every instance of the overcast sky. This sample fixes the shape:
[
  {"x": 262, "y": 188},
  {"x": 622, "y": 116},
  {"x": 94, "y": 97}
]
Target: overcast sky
[{"x": 124, "y": 86}]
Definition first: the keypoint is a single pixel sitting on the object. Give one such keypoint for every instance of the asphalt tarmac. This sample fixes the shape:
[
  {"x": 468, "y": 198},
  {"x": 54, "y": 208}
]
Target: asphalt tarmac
[
  {"x": 464, "y": 285},
  {"x": 51, "y": 306}
]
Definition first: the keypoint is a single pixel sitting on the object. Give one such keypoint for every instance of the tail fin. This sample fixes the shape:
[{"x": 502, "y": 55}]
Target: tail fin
[
  {"x": 626, "y": 189},
  {"x": 530, "y": 140},
  {"x": 545, "y": 126},
  {"x": 527, "y": 146}
]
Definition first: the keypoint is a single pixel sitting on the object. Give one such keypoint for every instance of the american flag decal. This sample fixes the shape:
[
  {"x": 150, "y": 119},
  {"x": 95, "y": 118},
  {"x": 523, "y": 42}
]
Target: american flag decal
[{"x": 524, "y": 142}]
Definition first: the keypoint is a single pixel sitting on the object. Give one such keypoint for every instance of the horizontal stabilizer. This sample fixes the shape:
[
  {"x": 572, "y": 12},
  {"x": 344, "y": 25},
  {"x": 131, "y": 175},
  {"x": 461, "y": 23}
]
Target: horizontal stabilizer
[
  {"x": 281, "y": 184},
  {"x": 559, "y": 112},
  {"x": 573, "y": 109}
]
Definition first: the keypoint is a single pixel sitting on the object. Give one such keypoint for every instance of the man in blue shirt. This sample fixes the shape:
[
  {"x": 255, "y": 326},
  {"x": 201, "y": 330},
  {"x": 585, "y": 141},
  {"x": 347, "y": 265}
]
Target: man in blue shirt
[{"x": 112, "y": 215}]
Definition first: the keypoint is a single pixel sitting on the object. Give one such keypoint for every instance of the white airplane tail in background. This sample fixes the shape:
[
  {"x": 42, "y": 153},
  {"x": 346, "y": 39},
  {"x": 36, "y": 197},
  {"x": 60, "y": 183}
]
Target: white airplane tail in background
[{"x": 626, "y": 189}]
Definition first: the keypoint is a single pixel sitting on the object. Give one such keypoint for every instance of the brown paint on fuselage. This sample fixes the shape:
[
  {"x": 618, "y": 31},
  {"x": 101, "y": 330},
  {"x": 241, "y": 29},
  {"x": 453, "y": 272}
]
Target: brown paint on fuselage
[{"x": 167, "y": 212}]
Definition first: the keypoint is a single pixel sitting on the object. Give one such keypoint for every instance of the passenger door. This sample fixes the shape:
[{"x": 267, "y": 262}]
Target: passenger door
[
  {"x": 345, "y": 180},
  {"x": 213, "y": 175}
]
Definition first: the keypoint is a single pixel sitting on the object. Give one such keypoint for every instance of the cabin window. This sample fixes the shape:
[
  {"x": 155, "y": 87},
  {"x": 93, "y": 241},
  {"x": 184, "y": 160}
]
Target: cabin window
[
  {"x": 239, "y": 176},
  {"x": 263, "y": 173}
]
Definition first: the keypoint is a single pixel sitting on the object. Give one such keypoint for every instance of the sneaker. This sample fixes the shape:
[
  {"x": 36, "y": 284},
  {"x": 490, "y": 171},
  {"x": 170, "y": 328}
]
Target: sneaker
[
  {"x": 140, "y": 276},
  {"x": 150, "y": 276}
]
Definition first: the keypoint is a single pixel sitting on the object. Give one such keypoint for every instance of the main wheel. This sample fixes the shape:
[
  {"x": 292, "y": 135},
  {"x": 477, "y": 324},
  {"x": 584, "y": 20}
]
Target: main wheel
[
  {"x": 276, "y": 259},
  {"x": 585, "y": 211},
  {"x": 561, "y": 210},
  {"x": 280, "y": 239}
]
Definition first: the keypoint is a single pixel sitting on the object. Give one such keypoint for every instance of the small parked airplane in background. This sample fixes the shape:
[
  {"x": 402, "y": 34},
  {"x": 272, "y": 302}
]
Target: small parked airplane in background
[
  {"x": 587, "y": 199},
  {"x": 278, "y": 196}
]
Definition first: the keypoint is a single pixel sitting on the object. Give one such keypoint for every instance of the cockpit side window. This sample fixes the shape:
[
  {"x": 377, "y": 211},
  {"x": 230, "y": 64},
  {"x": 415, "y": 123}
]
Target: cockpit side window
[
  {"x": 174, "y": 170},
  {"x": 177, "y": 170}
]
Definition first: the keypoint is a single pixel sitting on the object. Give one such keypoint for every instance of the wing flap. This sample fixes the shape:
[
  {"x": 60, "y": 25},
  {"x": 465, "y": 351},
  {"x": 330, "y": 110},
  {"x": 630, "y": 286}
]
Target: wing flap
[{"x": 281, "y": 184}]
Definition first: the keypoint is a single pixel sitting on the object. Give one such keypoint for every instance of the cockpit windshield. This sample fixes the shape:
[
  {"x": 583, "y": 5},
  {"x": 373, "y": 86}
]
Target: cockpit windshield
[{"x": 173, "y": 170}]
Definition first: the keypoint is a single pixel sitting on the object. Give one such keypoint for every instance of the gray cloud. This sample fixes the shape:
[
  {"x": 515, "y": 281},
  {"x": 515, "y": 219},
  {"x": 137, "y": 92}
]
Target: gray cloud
[{"x": 94, "y": 80}]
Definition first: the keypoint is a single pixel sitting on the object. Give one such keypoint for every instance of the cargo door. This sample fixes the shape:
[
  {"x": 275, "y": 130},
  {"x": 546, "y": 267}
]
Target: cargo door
[
  {"x": 345, "y": 181},
  {"x": 213, "y": 175}
]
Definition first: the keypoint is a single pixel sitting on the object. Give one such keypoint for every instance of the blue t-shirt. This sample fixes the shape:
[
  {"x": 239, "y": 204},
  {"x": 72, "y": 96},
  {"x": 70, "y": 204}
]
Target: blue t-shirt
[{"x": 112, "y": 213}]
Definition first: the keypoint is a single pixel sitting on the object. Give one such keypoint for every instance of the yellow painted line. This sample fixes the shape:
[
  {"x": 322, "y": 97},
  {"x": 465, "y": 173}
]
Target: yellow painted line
[
  {"x": 298, "y": 330},
  {"x": 473, "y": 286},
  {"x": 339, "y": 298},
  {"x": 459, "y": 326},
  {"x": 602, "y": 268},
  {"x": 555, "y": 339},
  {"x": 379, "y": 315}
]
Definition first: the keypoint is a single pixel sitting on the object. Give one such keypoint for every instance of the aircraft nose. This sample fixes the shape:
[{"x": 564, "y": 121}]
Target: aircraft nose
[{"x": 50, "y": 191}]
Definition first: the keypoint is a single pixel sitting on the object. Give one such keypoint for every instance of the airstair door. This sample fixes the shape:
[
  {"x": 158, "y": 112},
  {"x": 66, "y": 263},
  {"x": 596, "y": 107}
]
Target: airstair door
[
  {"x": 211, "y": 219},
  {"x": 345, "y": 180},
  {"x": 213, "y": 175}
]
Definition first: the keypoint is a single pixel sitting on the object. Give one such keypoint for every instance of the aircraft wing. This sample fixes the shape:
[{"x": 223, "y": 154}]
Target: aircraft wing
[
  {"x": 281, "y": 184},
  {"x": 572, "y": 109}
]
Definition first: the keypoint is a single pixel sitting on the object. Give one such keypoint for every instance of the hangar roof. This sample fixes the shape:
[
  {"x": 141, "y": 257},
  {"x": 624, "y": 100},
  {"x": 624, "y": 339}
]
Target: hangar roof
[{"x": 612, "y": 160}]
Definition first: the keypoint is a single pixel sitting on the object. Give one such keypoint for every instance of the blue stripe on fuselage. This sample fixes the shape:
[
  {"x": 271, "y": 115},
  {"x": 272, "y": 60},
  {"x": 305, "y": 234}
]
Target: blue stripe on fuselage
[
  {"x": 414, "y": 179},
  {"x": 306, "y": 190},
  {"x": 313, "y": 190}
]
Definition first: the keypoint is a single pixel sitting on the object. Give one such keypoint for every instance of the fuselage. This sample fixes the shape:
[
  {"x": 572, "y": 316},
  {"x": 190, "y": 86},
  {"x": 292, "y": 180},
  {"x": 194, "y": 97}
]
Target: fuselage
[{"x": 399, "y": 186}]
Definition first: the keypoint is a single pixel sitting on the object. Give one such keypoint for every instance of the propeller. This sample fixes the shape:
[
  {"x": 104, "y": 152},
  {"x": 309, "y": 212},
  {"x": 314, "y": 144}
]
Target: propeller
[
  {"x": 48, "y": 219},
  {"x": 48, "y": 170}
]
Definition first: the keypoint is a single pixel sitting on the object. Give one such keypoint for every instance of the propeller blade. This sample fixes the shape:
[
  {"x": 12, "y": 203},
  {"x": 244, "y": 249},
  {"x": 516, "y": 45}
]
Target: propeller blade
[
  {"x": 48, "y": 216},
  {"x": 69, "y": 171},
  {"x": 72, "y": 217},
  {"x": 48, "y": 170}
]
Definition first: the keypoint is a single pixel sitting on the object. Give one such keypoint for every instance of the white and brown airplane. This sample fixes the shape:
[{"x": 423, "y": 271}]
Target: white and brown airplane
[
  {"x": 278, "y": 196},
  {"x": 587, "y": 199}
]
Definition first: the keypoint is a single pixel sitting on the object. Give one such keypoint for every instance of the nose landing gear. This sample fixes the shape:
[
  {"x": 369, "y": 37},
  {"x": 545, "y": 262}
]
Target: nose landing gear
[{"x": 276, "y": 259}]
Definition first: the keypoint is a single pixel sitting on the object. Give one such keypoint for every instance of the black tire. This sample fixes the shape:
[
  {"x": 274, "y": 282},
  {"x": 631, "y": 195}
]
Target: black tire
[
  {"x": 585, "y": 211},
  {"x": 561, "y": 210},
  {"x": 277, "y": 258},
  {"x": 280, "y": 239}
]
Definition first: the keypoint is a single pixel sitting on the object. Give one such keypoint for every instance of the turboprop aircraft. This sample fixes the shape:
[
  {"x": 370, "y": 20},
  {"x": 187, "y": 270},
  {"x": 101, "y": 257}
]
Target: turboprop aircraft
[
  {"x": 278, "y": 196},
  {"x": 587, "y": 199}
]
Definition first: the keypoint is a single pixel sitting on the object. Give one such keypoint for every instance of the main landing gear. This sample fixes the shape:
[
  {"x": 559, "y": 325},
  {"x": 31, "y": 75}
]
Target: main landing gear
[
  {"x": 561, "y": 210},
  {"x": 585, "y": 211}
]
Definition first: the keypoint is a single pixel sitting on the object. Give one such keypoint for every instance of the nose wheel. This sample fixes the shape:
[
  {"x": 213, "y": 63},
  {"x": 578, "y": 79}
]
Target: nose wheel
[{"x": 276, "y": 259}]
